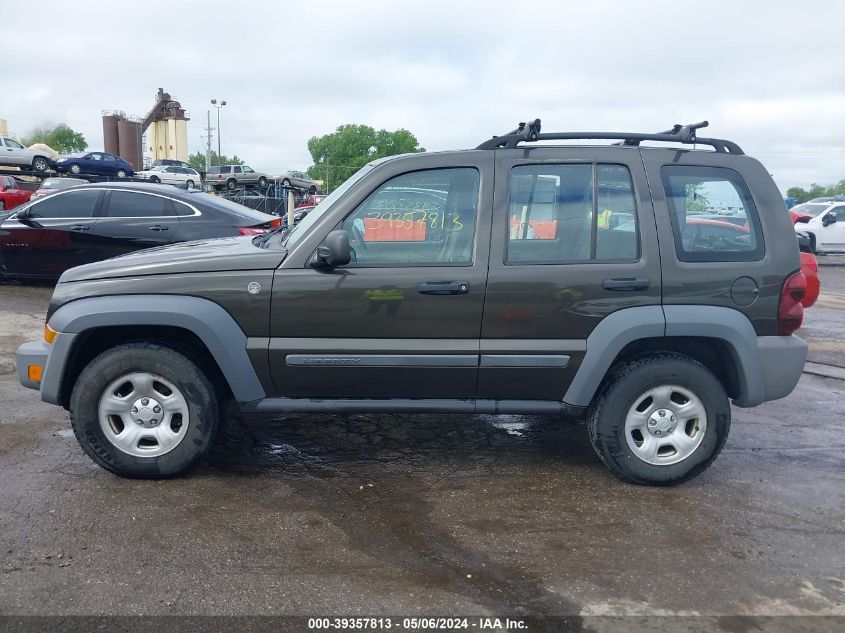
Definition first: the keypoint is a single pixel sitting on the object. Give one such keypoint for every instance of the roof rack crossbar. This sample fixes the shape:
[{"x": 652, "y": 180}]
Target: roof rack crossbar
[{"x": 678, "y": 134}]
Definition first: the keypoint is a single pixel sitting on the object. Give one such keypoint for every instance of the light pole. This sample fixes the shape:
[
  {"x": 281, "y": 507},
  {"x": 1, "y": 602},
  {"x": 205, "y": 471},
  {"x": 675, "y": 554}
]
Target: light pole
[{"x": 215, "y": 104}]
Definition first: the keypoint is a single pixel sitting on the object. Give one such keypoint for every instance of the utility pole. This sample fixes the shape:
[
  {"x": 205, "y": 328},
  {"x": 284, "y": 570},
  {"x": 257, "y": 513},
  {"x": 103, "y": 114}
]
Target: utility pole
[
  {"x": 219, "y": 107},
  {"x": 328, "y": 171},
  {"x": 208, "y": 143}
]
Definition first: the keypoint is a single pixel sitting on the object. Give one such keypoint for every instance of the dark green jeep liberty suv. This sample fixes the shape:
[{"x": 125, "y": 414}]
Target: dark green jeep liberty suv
[{"x": 642, "y": 287}]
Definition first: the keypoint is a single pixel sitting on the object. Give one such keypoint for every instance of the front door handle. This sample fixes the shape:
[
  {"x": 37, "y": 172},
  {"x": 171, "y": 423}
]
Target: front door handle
[
  {"x": 158, "y": 227},
  {"x": 625, "y": 283},
  {"x": 443, "y": 288},
  {"x": 80, "y": 227}
]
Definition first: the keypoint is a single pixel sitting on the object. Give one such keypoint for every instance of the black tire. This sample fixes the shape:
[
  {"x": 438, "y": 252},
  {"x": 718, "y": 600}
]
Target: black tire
[
  {"x": 155, "y": 179},
  {"x": 39, "y": 163},
  {"x": 312, "y": 190},
  {"x": 262, "y": 182},
  {"x": 286, "y": 183},
  {"x": 159, "y": 359},
  {"x": 2, "y": 205},
  {"x": 189, "y": 184},
  {"x": 231, "y": 184},
  {"x": 74, "y": 168},
  {"x": 121, "y": 173},
  {"x": 628, "y": 381}
]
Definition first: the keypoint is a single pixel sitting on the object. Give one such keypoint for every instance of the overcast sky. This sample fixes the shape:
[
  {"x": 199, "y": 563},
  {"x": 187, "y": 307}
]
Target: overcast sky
[{"x": 768, "y": 75}]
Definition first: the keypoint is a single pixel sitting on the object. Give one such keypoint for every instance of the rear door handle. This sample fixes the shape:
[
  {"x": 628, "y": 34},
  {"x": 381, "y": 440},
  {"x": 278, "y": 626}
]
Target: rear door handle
[
  {"x": 80, "y": 227},
  {"x": 625, "y": 283},
  {"x": 158, "y": 227},
  {"x": 443, "y": 288}
]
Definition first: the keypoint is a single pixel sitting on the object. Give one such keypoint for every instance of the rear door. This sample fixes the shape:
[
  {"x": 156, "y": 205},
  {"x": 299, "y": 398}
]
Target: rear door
[
  {"x": 403, "y": 319},
  {"x": 573, "y": 241},
  {"x": 57, "y": 234},
  {"x": 132, "y": 220}
]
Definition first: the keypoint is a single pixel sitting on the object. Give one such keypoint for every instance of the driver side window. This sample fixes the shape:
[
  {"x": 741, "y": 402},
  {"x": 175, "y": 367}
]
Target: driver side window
[{"x": 420, "y": 218}]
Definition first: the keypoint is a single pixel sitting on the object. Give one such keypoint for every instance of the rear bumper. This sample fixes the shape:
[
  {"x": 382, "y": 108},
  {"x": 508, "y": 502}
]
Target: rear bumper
[{"x": 782, "y": 359}]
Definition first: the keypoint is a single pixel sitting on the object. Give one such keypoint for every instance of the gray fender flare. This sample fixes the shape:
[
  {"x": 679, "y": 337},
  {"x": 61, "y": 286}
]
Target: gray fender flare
[
  {"x": 625, "y": 326},
  {"x": 216, "y": 328},
  {"x": 604, "y": 343}
]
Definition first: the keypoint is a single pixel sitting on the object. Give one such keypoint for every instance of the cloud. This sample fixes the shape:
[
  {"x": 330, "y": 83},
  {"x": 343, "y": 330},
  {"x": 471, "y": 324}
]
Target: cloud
[{"x": 454, "y": 73}]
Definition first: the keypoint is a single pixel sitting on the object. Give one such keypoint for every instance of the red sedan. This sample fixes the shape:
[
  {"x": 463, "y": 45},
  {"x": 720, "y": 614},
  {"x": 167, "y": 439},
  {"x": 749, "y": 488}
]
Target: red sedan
[{"x": 11, "y": 195}]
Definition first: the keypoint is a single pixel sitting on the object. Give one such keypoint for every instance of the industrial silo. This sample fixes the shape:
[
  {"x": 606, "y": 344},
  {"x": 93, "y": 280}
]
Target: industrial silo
[
  {"x": 111, "y": 143},
  {"x": 129, "y": 142}
]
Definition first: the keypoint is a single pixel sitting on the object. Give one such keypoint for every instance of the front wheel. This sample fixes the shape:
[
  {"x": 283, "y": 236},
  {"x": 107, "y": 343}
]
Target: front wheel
[
  {"x": 40, "y": 163},
  {"x": 286, "y": 183},
  {"x": 121, "y": 173},
  {"x": 144, "y": 410},
  {"x": 155, "y": 179},
  {"x": 262, "y": 182},
  {"x": 661, "y": 419},
  {"x": 75, "y": 169},
  {"x": 312, "y": 190}
]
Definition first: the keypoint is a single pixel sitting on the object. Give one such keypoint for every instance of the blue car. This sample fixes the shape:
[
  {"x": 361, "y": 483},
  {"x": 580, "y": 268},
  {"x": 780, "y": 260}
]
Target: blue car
[{"x": 95, "y": 163}]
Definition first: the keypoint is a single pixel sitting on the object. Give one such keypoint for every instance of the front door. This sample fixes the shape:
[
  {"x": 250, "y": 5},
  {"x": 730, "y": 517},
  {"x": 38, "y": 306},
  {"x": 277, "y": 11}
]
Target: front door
[
  {"x": 573, "y": 241},
  {"x": 832, "y": 236},
  {"x": 403, "y": 319},
  {"x": 56, "y": 233}
]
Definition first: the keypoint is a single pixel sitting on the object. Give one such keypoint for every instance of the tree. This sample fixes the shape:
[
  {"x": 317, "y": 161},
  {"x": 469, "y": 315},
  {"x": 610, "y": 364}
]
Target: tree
[
  {"x": 340, "y": 154},
  {"x": 816, "y": 191},
  {"x": 197, "y": 161},
  {"x": 60, "y": 137}
]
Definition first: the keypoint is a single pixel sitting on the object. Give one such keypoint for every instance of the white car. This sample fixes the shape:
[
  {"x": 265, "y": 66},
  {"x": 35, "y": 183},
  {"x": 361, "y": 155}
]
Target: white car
[
  {"x": 826, "y": 226},
  {"x": 172, "y": 175},
  {"x": 13, "y": 153}
]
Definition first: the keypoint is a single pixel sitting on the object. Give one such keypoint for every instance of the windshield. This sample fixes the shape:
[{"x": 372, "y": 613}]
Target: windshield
[
  {"x": 810, "y": 208},
  {"x": 301, "y": 229}
]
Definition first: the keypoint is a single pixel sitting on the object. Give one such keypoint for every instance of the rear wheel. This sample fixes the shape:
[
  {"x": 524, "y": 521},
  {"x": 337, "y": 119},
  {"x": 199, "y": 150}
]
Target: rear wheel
[
  {"x": 312, "y": 190},
  {"x": 39, "y": 163},
  {"x": 231, "y": 183},
  {"x": 286, "y": 183},
  {"x": 661, "y": 419},
  {"x": 144, "y": 410},
  {"x": 190, "y": 184}
]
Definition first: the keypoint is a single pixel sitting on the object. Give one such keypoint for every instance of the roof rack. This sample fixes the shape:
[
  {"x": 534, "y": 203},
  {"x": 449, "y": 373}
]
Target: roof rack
[{"x": 530, "y": 132}]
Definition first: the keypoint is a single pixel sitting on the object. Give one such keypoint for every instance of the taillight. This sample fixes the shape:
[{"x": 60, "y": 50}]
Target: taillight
[
  {"x": 790, "y": 308},
  {"x": 250, "y": 230},
  {"x": 274, "y": 223}
]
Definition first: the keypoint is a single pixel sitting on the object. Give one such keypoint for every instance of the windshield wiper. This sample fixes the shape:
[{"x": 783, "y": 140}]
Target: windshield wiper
[{"x": 282, "y": 230}]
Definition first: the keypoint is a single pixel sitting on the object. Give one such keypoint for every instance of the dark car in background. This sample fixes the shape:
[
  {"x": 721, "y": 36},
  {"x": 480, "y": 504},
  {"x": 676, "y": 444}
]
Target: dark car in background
[
  {"x": 52, "y": 185},
  {"x": 92, "y": 222},
  {"x": 95, "y": 163}
]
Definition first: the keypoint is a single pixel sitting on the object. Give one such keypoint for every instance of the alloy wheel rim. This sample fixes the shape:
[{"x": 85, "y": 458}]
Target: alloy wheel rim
[
  {"x": 665, "y": 425},
  {"x": 143, "y": 414}
]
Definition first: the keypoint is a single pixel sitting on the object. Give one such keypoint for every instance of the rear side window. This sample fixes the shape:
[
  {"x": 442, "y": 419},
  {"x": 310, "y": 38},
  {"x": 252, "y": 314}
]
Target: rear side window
[
  {"x": 126, "y": 204},
  {"x": 713, "y": 215},
  {"x": 74, "y": 204},
  {"x": 571, "y": 213}
]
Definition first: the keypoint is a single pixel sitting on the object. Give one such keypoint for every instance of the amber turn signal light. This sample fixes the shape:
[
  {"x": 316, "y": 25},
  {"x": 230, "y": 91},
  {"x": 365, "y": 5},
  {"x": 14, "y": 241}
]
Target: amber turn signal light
[
  {"x": 35, "y": 372},
  {"x": 49, "y": 334}
]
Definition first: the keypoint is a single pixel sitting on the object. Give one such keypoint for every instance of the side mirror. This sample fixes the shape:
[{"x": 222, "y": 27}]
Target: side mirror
[
  {"x": 334, "y": 251},
  {"x": 829, "y": 218}
]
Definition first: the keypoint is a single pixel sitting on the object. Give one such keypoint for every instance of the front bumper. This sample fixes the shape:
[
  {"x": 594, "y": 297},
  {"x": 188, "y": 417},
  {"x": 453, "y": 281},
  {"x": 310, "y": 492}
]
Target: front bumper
[{"x": 32, "y": 353}]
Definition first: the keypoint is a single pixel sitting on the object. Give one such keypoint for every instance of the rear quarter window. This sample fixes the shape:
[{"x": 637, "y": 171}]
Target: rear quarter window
[{"x": 713, "y": 216}]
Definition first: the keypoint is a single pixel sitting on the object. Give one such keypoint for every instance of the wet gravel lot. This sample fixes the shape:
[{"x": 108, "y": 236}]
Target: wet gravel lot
[{"x": 423, "y": 514}]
